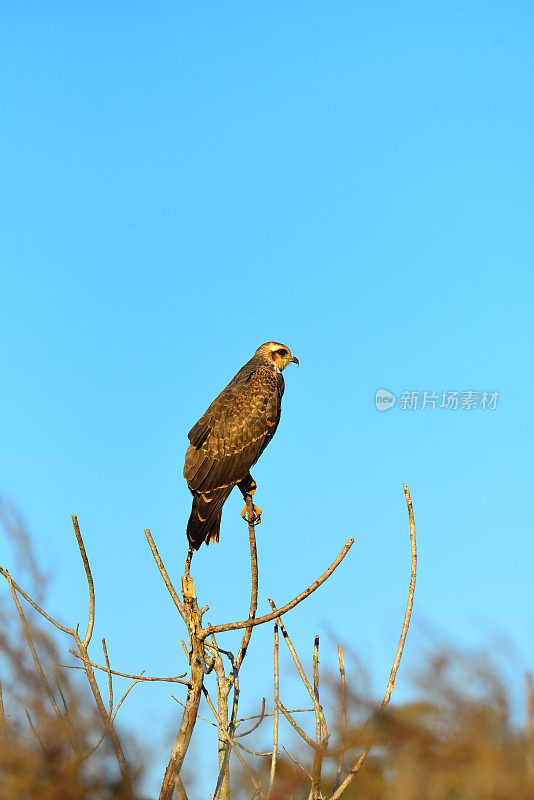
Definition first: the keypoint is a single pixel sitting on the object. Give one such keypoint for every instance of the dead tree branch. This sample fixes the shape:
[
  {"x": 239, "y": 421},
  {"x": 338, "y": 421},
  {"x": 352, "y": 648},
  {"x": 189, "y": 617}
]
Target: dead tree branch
[
  {"x": 90, "y": 584},
  {"x": 227, "y": 731},
  {"x": 163, "y": 572},
  {"x": 234, "y": 626},
  {"x": 140, "y": 677},
  {"x": 342, "y": 746},
  {"x": 317, "y": 706},
  {"x": 391, "y": 683},
  {"x": 191, "y": 615},
  {"x": 272, "y": 771}
]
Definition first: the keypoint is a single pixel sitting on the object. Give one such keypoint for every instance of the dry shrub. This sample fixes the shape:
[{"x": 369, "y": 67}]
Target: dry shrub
[{"x": 45, "y": 754}]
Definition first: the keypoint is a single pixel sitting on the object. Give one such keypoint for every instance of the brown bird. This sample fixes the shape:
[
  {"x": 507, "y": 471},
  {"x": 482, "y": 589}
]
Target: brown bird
[{"x": 230, "y": 437}]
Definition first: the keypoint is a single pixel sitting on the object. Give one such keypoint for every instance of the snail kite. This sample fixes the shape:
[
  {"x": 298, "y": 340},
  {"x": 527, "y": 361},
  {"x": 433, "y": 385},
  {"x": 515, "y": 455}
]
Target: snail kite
[{"x": 230, "y": 437}]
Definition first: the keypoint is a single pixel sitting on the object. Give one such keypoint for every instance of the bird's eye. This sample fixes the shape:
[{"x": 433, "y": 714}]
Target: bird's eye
[{"x": 281, "y": 352}]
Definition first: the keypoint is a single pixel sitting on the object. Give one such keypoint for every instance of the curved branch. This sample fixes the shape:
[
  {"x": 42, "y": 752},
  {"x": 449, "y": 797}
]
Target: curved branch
[
  {"x": 90, "y": 585},
  {"x": 393, "y": 674},
  {"x": 251, "y": 623},
  {"x": 256, "y": 724},
  {"x": 297, "y": 727},
  {"x": 34, "y": 605},
  {"x": 139, "y": 677}
]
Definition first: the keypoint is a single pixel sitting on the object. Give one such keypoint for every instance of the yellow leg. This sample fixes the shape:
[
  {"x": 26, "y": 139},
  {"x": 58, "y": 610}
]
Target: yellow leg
[{"x": 257, "y": 514}]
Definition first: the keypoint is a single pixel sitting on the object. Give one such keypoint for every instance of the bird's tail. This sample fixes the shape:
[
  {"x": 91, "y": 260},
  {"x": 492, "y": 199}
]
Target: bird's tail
[{"x": 205, "y": 520}]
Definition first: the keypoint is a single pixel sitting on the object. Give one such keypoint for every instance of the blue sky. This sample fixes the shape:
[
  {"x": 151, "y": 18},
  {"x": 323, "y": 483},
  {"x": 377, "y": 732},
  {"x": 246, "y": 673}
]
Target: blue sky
[{"x": 184, "y": 181}]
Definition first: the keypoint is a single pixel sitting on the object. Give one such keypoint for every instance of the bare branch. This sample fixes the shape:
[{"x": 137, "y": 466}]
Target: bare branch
[
  {"x": 229, "y": 739},
  {"x": 291, "y": 711},
  {"x": 98, "y": 743},
  {"x": 163, "y": 572},
  {"x": 224, "y": 685},
  {"x": 391, "y": 683},
  {"x": 108, "y": 724},
  {"x": 296, "y": 726},
  {"x": 139, "y": 677},
  {"x": 297, "y": 763},
  {"x": 253, "y": 591},
  {"x": 317, "y": 706},
  {"x": 63, "y": 700},
  {"x": 34, "y": 605},
  {"x": 233, "y": 678},
  {"x": 34, "y": 731},
  {"x": 190, "y": 614},
  {"x": 252, "y": 752},
  {"x": 3, "y": 727},
  {"x": 321, "y": 734},
  {"x": 67, "y": 718},
  {"x": 185, "y": 649},
  {"x": 37, "y": 662},
  {"x": 110, "y": 677},
  {"x": 90, "y": 585},
  {"x": 180, "y": 789},
  {"x": 256, "y": 725},
  {"x": 342, "y": 748},
  {"x": 123, "y": 698},
  {"x": 188, "y": 561},
  {"x": 272, "y": 772},
  {"x": 234, "y": 626},
  {"x": 222, "y": 787},
  {"x": 216, "y": 648},
  {"x": 213, "y": 724}
]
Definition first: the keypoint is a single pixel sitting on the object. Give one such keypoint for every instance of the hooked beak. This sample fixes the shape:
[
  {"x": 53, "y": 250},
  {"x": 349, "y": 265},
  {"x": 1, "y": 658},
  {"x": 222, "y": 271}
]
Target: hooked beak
[{"x": 294, "y": 360}]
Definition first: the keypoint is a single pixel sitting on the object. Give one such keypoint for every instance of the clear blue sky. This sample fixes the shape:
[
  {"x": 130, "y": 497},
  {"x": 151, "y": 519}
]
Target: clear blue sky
[{"x": 183, "y": 181}]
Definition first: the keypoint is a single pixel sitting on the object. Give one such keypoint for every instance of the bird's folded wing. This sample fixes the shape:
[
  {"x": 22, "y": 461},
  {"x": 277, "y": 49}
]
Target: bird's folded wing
[{"x": 230, "y": 436}]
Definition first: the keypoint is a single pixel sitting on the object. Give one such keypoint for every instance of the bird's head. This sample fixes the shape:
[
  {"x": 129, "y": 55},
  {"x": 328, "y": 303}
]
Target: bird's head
[{"x": 277, "y": 354}]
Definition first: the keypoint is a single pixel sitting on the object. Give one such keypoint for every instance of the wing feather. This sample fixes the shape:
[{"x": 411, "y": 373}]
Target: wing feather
[{"x": 229, "y": 438}]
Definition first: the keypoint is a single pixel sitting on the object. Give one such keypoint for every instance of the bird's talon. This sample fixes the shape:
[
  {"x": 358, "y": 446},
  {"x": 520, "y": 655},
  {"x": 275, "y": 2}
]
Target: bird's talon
[{"x": 256, "y": 515}]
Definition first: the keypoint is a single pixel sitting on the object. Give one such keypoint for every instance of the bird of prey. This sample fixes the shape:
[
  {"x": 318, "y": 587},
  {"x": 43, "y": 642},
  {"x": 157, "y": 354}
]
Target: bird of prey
[{"x": 230, "y": 437}]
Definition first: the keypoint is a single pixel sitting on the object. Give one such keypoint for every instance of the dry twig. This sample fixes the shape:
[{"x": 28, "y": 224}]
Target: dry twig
[
  {"x": 272, "y": 771},
  {"x": 342, "y": 746},
  {"x": 90, "y": 584},
  {"x": 234, "y": 626},
  {"x": 391, "y": 683}
]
